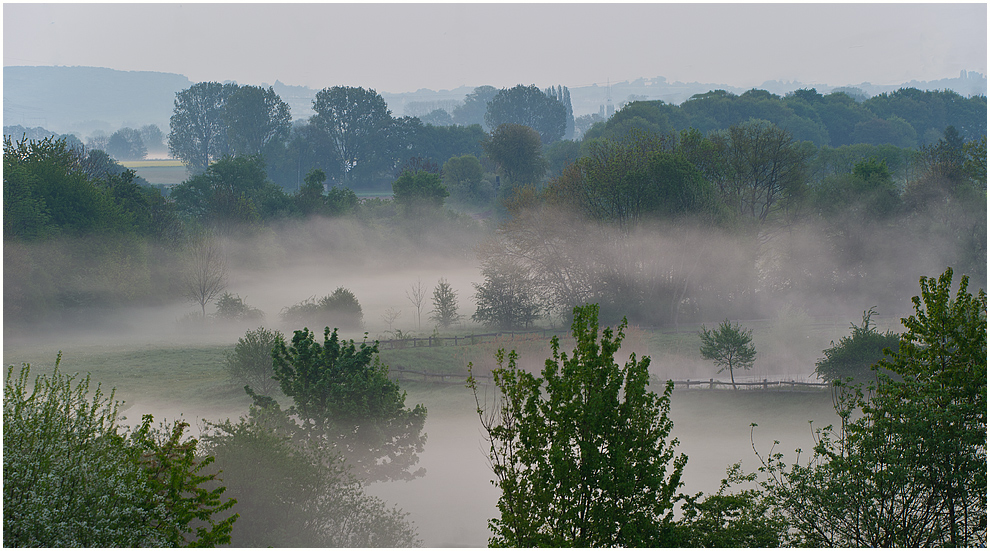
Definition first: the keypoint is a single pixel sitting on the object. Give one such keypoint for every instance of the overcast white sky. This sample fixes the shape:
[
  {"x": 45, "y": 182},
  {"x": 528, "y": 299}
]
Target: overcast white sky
[{"x": 404, "y": 47}]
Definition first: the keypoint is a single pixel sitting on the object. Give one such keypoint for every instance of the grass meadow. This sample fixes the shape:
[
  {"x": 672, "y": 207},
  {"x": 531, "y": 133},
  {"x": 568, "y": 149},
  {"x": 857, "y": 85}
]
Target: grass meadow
[{"x": 160, "y": 171}]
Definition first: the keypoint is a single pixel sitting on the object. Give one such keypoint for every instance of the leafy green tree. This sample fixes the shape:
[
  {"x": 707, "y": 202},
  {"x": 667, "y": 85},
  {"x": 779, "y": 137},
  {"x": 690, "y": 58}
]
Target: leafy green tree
[
  {"x": 528, "y": 106},
  {"x": 419, "y": 192},
  {"x": 357, "y": 123},
  {"x": 462, "y": 176},
  {"x": 563, "y": 95},
  {"x": 730, "y": 347},
  {"x": 255, "y": 118},
  {"x": 506, "y": 299},
  {"x": 250, "y": 362},
  {"x": 855, "y": 355},
  {"x": 634, "y": 180},
  {"x": 126, "y": 144},
  {"x": 444, "y": 311},
  {"x": 198, "y": 131},
  {"x": 73, "y": 477},
  {"x": 582, "y": 454},
  {"x": 232, "y": 191},
  {"x": 293, "y": 495},
  {"x": 517, "y": 152},
  {"x": 907, "y": 467},
  {"x": 975, "y": 164},
  {"x": 342, "y": 396},
  {"x": 310, "y": 198},
  {"x": 47, "y": 194}
]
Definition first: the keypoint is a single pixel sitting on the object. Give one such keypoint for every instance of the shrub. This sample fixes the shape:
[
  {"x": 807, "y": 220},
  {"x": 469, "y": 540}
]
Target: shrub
[
  {"x": 73, "y": 478},
  {"x": 339, "y": 309},
  {"x": 233, "y": 307}
]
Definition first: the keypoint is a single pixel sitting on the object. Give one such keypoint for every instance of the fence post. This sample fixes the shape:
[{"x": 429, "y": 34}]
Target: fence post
[
  {"x": 764, "y": 384},
  {"x": 711, "y": 384}
]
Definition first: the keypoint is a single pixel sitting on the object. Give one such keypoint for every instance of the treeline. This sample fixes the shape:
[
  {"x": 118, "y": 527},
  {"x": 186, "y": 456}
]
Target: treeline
[
  {"x": 907, "y": 118},
  {"x": 750, "y": 212}
]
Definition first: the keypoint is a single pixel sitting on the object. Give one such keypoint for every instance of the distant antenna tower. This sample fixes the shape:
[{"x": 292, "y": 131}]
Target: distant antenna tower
[{"x": 609, "y": 109}]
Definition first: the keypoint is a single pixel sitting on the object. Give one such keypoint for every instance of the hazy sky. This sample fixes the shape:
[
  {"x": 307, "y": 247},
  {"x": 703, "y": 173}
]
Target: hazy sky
[{"x": 404, "y": 47}]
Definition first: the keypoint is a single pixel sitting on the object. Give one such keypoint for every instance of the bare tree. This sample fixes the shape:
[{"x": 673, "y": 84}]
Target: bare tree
[
  {"x": 389, "y": 317},
  {"x": 206, "y": 277},
  {"x": 417, "y": 295}
]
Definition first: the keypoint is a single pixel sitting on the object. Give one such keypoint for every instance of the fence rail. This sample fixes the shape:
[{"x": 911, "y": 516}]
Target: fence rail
[
  {"x": 399, "y": 373},
  {"x": 499, "y": 336},
  {"x": 478, "y": 338}
]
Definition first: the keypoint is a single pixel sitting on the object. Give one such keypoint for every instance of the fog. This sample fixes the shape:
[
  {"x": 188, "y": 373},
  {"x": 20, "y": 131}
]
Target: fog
[{"x": 274, "y": 268}]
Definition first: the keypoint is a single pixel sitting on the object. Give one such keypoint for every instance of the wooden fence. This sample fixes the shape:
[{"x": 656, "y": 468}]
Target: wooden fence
[
  {"x": 401, "y": 374},
  {"x": 500, "y": 336}
]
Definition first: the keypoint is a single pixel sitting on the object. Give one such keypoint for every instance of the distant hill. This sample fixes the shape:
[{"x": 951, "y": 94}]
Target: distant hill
[{"x": 83, "y": 99}]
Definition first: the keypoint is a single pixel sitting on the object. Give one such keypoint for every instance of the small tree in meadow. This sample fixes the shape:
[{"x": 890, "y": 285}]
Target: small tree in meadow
[
  {"x": 444, "y": 305},
  {"x": 250, "y": 362},
  {"x": 730, "y": 347}
]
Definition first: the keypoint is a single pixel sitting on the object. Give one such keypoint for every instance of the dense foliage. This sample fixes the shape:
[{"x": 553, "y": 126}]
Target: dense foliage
[
  {"x": 582, "y": 454},
  {"x": 73, "y": 477},
  {"x": 908, "y": 465},
  {"x": 855, "y": 355},
  {"x": 343, "y": 398}
]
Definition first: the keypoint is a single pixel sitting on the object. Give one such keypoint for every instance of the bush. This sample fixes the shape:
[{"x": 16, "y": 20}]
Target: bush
[
  {"x": 339, "y": 309},
  {"x": 73, "y": 478},
  {"x": 233, "y": 307},
  {"x": 855, "y": 354}
]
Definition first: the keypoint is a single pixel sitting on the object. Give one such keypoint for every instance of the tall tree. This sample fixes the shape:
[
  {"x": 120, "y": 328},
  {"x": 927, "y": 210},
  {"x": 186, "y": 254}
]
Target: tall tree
[
  {"x": 255, "y": 118},
  {"x": 517, "y": 151},
  {"x": 767, "y": 167},
  {"x": 198, "y": 131},
  {"x": 582, "y": 454},
  {"x": 358, "y": 124},
  {"x": 528, "y": 106}
]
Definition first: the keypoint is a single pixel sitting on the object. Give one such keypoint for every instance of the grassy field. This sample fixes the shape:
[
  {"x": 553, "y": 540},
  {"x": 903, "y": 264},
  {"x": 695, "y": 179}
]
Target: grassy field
[{"x": 161, "y": 171}]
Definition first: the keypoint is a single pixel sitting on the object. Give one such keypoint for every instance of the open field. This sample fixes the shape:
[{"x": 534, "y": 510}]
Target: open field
[
  {"x": 452, "y": 503},
  {"x": 160, "y": 171}
]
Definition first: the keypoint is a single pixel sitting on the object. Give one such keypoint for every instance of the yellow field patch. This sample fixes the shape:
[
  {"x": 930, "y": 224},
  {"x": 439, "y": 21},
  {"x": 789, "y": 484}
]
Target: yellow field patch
[{"x": 151, "y": 163}]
